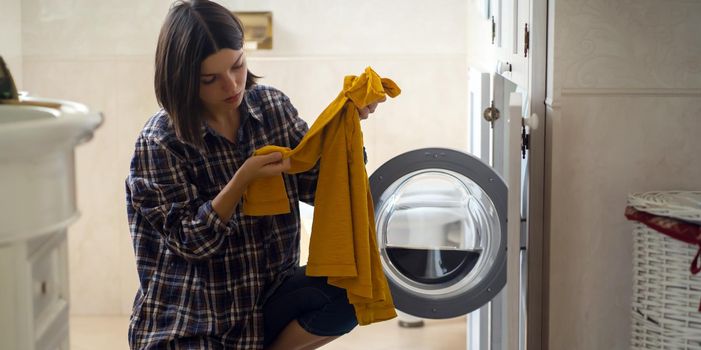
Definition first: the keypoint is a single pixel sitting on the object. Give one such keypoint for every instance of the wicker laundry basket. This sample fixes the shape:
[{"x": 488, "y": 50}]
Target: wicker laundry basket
[{"x": 666, "y": 294}]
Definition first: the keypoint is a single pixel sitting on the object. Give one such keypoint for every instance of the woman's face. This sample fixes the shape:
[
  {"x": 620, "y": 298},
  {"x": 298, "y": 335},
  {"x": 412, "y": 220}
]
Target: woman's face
[{"x": 223, "y": 80}]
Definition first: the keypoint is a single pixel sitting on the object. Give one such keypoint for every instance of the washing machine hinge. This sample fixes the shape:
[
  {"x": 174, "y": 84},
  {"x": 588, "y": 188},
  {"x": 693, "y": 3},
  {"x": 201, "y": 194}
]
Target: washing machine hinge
[{"x": 525, "y": 141}]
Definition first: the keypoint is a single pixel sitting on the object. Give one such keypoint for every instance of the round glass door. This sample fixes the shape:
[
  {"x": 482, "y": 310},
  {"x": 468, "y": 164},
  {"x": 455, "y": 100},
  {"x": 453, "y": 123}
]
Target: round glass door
[{"x": 440, "y": 219}]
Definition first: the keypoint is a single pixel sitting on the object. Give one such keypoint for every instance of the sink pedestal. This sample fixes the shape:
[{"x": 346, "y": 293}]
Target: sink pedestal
[{"x": 37, "y": 204}]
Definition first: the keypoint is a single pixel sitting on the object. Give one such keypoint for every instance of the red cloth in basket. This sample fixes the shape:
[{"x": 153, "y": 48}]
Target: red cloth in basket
[{"x": 678, "y": 229}]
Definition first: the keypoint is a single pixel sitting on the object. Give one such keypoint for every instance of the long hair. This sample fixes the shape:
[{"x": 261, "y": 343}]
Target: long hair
[{"x": 192, "y": 31}]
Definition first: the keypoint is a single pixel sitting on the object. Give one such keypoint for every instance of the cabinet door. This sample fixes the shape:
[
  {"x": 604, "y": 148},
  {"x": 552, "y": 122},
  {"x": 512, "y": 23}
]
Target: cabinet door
[
  {"x": 48, "y": 268},
  {"x": 510, "y": 38}
]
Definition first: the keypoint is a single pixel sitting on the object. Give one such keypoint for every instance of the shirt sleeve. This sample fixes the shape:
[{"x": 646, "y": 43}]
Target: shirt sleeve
[
  {"x": 161, "y": 193},
  {"x": 307, "y": 180}
]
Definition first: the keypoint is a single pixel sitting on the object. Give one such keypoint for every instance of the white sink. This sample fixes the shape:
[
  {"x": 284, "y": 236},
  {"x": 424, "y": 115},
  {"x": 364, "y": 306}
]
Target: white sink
[{"x": 37, "y": 171}]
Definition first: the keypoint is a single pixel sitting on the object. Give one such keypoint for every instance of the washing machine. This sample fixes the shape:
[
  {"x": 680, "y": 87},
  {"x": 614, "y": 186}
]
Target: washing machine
[
  {"x": 445, "y": 220},
  {"x": 441, "y": 229}
]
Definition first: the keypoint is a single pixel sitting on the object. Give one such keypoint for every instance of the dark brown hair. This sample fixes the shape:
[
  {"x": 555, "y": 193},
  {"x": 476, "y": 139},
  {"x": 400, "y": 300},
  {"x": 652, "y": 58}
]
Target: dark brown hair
[{"x": 192, "y": 31}]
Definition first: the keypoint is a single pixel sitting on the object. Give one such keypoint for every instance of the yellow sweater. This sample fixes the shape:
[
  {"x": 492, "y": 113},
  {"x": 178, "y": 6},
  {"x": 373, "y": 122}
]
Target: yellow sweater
[{"x": 343, "y": 243}]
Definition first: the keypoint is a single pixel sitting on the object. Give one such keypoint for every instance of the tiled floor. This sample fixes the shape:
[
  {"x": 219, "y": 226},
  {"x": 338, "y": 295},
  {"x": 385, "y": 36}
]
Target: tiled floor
[{"x": 110, "y": 333}]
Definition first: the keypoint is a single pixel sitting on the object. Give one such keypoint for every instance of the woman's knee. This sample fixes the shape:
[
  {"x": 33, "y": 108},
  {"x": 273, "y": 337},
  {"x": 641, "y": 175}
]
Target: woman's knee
[
  {"x": 347, "y": 322},
  {"x": 335, "y": 319}
]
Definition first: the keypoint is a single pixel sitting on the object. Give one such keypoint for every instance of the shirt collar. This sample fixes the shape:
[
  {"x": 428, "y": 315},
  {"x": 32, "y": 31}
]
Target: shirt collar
[{"x": 250, "y": 106}]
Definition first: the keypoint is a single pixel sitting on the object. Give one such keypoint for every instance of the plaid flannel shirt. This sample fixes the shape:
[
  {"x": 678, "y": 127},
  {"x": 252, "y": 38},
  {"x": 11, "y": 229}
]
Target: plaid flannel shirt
[{"x": 203, "y": 280}]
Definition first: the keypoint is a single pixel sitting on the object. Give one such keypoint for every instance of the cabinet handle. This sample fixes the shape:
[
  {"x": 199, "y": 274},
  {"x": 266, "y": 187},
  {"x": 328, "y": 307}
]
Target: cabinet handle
[
  {"x": 494, "y": 30},
  {"x": 491, "y": 114},
  {"x": 526, "y": 41}
]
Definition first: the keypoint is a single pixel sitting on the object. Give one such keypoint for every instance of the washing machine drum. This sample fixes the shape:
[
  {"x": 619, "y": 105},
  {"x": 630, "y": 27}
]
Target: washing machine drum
[{"x": 441, "y": 230}]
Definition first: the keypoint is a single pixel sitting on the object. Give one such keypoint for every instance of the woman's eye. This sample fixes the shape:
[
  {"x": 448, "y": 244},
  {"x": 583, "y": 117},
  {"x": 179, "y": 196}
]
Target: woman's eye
[{"x": 208, "y": 81}]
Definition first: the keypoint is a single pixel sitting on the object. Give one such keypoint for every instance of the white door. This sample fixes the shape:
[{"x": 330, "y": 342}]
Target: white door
[
  {"x": 500, "y": 323},
  {"x": 504, "y": 74}
]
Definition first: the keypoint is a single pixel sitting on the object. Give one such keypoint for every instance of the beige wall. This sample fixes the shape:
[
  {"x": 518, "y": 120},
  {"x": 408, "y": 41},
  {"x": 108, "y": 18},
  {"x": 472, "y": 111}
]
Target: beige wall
[
  {"x": 101, "y": 53},
  {"x": 624, "y": 116},
  {"x": 11, "y": 37}
]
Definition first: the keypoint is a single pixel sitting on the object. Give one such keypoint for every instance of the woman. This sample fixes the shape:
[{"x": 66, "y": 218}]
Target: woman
[{"x": 210, "y": 277}]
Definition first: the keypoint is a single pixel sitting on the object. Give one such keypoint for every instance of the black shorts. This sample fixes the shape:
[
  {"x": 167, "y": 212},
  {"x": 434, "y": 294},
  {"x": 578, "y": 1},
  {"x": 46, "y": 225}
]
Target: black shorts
[{"x": 320, "y": 308}]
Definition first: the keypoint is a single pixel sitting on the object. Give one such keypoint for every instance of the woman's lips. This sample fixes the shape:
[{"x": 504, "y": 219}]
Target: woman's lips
[{"x": 232, "y": 99}]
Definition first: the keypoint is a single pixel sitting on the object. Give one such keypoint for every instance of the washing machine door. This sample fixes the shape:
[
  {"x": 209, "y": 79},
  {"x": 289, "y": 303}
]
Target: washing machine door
[{"x": 441, "y": 229}]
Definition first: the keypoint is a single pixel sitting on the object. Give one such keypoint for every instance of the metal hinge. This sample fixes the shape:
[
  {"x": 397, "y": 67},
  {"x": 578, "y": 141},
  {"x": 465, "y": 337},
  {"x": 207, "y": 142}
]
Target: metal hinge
[
  {"x": 526, "y": 41},
  {"x": 532, "y": 124},
  {"x": 525, "y": 141}
]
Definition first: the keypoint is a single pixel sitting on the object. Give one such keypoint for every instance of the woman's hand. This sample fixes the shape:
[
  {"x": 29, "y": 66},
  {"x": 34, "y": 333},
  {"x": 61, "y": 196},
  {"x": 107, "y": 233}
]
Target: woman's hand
[
  {"x": 225, "y": 203},
  {"x": 364, "y": 112},
  {"x": 263, "y": 166}
]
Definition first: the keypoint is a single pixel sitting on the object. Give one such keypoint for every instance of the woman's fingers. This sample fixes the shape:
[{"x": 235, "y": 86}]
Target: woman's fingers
[
  {"x": 285, "y": 165},
  {"x": 363, "y": 113},
  {"x": 279, "y": 163},
  {"x": 272, "y": 157},
  {"x": 371, "y": 107},
  {"x": 274, "y": 164}
]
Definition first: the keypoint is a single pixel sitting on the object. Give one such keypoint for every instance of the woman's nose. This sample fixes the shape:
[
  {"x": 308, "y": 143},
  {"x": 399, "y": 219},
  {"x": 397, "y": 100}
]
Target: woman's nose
[{"x": 230, "y": 82}]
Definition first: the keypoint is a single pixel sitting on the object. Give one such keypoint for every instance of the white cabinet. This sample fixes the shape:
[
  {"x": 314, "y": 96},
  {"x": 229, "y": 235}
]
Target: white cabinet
[
  {"x": 509, "y": 38},
  {"x": 34, "y": 299}
]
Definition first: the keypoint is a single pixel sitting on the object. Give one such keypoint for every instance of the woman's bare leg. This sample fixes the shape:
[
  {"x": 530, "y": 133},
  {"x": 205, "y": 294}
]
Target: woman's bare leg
[
  {"x": 321, "y": 343},
  {"x": 294, "y": 337}
]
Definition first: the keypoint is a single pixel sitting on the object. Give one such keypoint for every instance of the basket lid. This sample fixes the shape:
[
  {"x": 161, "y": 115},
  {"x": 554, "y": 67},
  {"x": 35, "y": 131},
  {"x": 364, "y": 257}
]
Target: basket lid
[{"x": 681, "y": 205}]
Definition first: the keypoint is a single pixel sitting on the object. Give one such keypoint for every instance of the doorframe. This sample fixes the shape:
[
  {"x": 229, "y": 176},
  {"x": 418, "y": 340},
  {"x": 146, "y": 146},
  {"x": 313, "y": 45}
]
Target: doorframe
[{"x": 537, "y": 307}]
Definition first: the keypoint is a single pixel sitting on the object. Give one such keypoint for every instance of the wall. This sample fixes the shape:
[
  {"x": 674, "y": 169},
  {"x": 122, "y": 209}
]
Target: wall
[
  {"x": 624, "y": 108},
  {"x": 11, "y": 37},
  {"x": 101, "y": 53}
]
